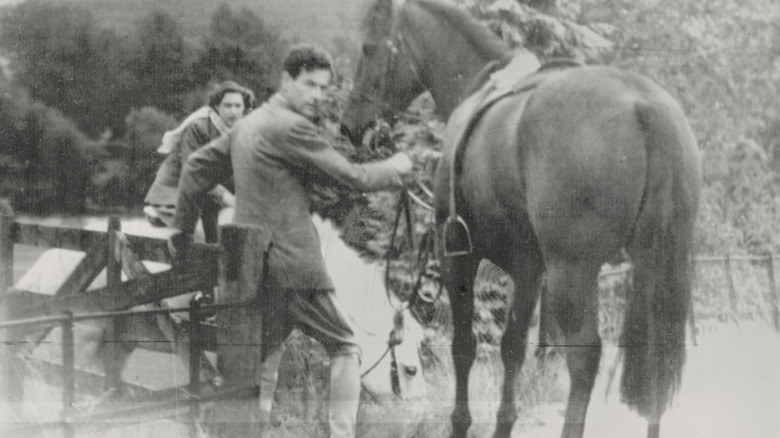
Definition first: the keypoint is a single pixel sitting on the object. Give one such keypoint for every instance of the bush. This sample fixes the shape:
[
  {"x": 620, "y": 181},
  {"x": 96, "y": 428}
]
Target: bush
[{"x": 43, "y": 156}]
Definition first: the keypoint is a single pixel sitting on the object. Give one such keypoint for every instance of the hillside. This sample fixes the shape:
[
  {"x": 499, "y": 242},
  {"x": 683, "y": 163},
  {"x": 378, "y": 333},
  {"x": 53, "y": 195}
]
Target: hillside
[{"x": 322, "y": 21}]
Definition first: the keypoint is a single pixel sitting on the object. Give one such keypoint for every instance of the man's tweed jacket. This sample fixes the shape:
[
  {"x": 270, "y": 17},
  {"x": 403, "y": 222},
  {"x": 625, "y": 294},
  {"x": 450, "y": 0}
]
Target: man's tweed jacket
[{"x": 273, "y": 154}]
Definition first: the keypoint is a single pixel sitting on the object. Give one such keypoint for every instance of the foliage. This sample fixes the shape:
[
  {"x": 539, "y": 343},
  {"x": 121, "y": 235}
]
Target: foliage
[
  {"x": 124, "y": 177},
  {"x": 293, "y": 20},
  {"x": 159, "y": 63},
  {"x": 720, "y": 59},
  {"x": 239, "y": 47},
  {"x": 521, "y": 25},
  {"x": 43, "y": 156},
  {"x": 66, "y": 61},
  {"x": 108, "y": 86}
]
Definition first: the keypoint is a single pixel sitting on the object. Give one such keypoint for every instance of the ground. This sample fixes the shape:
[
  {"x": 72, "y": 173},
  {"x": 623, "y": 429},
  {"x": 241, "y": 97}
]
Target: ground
[{"x": 730, "y": 388}]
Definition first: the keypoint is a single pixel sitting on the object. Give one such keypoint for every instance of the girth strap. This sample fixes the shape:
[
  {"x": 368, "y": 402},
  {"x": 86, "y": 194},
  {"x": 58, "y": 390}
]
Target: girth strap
[{"x": 512, "y": 79}]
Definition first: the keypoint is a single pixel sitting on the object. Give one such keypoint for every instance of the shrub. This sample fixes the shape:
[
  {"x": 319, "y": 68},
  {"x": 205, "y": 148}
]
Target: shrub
[{"x": 43, "y": 155}]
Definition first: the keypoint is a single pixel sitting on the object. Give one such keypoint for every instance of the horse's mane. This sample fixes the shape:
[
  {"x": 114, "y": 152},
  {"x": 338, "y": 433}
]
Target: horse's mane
[{"x": 376, "y": 24}]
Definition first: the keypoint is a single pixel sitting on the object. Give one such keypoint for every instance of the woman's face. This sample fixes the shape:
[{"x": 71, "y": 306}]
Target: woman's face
[{"x": 231, "y": 108}]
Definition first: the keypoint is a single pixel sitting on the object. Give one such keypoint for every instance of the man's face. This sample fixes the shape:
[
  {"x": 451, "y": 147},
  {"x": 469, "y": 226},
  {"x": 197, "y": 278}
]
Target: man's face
[{"x": 306, "y": 92}]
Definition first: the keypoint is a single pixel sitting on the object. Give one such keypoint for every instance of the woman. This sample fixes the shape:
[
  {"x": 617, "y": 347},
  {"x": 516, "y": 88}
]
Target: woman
[{"x": 227, "y": 103}]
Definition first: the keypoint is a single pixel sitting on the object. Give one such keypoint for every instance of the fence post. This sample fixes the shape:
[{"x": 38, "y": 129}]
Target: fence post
[
  {"x": 12, "y": 368},
  {"x": 243, "y": 264},
  {"x": 112, "y": 336},
  {"x": 6, "y": 247},
  {"x": 773, "y": 299},
  {"x": 68, "y": 375},
  {"x": 195, "y": 352},
  {"x": 732, "y": 289}
]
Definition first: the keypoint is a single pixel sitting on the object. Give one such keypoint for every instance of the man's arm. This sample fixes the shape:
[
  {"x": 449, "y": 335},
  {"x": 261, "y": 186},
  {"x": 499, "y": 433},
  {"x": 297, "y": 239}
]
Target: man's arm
[
  {"x": 203, "y": 170},
  {"x": 193, "y": 138},
  {"x": 195, "y": 135},
  {"x": 307, "y": 151}
]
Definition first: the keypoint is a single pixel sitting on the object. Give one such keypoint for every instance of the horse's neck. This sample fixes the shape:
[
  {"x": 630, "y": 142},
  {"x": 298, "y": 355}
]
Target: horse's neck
[
  {"x": 452, "y": 63},
  {"x": 449, "y": 85}
]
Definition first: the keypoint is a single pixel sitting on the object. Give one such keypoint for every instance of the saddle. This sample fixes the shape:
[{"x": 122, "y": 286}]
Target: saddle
[{"x": 521, "y": 75}]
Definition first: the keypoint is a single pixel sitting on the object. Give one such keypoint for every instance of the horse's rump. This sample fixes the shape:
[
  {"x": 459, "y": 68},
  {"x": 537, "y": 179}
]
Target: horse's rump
[{"x": 566, "y": 153}]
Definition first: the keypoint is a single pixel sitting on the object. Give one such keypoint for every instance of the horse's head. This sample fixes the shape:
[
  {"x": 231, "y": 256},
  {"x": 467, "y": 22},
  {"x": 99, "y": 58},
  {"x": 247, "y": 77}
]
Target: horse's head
[{"x": 389, "y": 74}]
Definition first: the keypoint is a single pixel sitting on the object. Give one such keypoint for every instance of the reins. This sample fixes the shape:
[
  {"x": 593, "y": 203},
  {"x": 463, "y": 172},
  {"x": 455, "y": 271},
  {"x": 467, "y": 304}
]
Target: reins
[{"x": 403, "y": 209}]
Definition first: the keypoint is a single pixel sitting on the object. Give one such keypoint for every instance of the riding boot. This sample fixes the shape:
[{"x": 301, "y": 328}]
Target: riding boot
[
  {"x": 269, "y": 375},
  {"x": 344, "y": 395}
]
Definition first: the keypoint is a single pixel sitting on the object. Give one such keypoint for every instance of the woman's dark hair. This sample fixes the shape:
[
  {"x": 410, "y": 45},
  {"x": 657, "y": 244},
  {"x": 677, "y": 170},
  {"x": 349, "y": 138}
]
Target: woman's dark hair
[
  {"x": 306, "y": 57},
  {"x": 218, "y": 93}
]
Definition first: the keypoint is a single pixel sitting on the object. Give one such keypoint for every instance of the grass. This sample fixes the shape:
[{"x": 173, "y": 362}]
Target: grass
[{"x": 300, "y": 408}]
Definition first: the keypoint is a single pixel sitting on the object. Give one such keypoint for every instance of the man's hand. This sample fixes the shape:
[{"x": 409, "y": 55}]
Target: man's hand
[
  {"x": 178, "y": 243},
  {"x": 403, "y": 164},
  {"x": 228, "y": 200}
]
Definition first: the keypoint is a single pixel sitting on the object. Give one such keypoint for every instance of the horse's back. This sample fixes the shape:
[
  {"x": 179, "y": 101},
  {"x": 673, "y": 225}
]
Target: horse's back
[{"x": 567, "y": 161}]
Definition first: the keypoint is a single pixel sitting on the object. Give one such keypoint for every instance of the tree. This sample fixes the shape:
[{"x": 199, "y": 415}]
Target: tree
[
  {"x": 720, "y": 59},
  {"x": 145, "y": 128},
  {"x": 241, "y": 48},
  {"x": 546, "y": 6},
  {"x": 43, "y": 165},
  {"x": 67, "y": 62},
  {"x": 159, "y": 64}
]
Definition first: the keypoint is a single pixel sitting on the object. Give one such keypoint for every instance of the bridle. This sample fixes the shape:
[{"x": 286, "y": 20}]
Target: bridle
[{"x": 397, "y": 45}]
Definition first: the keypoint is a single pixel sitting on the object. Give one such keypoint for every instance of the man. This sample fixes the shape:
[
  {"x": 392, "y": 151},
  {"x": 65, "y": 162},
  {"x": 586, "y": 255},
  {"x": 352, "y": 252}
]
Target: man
[{"x": 274, "y": 154}]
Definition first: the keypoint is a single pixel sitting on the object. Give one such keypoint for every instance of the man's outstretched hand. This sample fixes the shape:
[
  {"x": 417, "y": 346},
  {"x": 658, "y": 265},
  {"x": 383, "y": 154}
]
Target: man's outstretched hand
[
  {"x": 179, "y": 243},
  {"x": 403, "y": 164}
]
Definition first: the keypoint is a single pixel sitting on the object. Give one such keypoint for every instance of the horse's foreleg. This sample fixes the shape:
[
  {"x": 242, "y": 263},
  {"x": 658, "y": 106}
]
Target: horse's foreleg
[
  {"x": 573, "y": 291},
  {"x": 515, "y": 342},
  {"x": 459, "y": 273}
]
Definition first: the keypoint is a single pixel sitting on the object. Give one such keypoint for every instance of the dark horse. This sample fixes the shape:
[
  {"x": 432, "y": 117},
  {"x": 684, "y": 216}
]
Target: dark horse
[{"x": 593, "y": 161}]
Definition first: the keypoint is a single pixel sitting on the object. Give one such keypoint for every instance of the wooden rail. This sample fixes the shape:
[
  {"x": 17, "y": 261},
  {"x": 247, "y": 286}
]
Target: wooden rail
[{"x": 237, "y": 265}]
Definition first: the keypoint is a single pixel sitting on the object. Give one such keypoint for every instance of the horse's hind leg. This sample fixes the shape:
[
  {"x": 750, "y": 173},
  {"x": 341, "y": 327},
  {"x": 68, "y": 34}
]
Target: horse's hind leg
[
  {"x": 458, "y": 273},
  {"x": 573, "y": 290},
  {"x": 515, "y": 341}
]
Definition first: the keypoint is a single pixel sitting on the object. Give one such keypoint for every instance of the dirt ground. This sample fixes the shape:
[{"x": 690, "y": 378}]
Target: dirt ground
[{"x": 730, "y": 388}]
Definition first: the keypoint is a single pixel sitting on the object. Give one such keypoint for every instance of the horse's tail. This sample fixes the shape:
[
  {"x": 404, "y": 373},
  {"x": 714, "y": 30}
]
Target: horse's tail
[{"x": 654, "y": 327}]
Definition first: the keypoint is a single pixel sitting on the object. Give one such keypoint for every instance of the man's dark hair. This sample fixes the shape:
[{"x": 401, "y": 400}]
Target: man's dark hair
[
  {"x": 306, "y": 57},
  {"x": 220, "y": 90}
]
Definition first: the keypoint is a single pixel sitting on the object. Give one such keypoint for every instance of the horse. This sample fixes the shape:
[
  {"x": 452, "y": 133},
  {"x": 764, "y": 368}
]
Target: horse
[
  {"x": 586, "y": 163},
  {"x": 389, "y": 372}
]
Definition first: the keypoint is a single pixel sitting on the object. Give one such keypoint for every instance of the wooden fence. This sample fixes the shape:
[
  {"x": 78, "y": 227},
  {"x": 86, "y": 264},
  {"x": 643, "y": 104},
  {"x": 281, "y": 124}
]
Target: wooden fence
[
  {"x": 236, "y": 265},
  {"x": 766, "y": 296}
]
